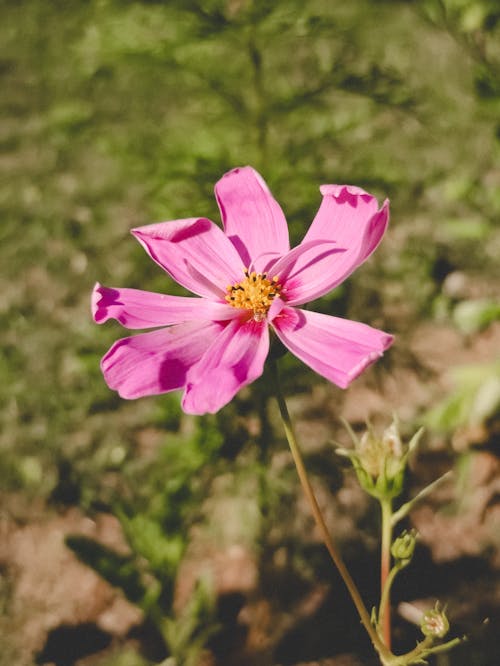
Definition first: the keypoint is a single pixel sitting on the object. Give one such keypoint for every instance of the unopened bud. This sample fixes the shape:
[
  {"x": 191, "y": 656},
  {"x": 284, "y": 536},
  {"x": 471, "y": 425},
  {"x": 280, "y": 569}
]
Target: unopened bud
[
  {"x": 391, "y": 441},
  {"x": 380, "y": 461},
  {"x": 404, "y": 546},
  {"x": 434, "y": 623}
]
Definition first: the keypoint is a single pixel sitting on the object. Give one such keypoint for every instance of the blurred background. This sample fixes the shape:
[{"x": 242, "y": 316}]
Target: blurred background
[{"x": 131, "y": 533}]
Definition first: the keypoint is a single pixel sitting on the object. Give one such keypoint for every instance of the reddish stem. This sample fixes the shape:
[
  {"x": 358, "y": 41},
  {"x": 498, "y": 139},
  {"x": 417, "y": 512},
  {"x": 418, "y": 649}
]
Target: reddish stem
[
  {"x": 385, "y": 568},
  {"x": 386, "y": 619}
]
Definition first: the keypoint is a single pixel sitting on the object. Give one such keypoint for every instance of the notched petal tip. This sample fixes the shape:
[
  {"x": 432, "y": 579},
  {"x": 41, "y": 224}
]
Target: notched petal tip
[
  {"x": 236, "y": 170},
  {"x": 339, "y": 191},
  {"x": 385, "y": 209},
  {"x": 349, "y": 194},
  {"x": 247, "y": 170},
  {"x": 139, "y": 232},
  {"x": 98, "y": 314},
  {"x": 385, "y": 342}
]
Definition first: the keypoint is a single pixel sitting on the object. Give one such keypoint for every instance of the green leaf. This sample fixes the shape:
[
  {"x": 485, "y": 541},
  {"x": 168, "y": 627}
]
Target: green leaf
[{"x": 147, "y": 538}]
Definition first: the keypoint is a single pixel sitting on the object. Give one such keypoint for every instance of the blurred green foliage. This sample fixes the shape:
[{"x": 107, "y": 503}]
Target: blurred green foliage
[
  {"x": 118, "y": 113},
  {"x": 473, "y": 401},
  {"x": 475, "y": 315}
]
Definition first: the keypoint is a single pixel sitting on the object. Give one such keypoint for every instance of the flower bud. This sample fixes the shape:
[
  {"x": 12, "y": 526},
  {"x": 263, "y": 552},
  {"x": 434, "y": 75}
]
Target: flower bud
[
  {"x": 380, "y": 461},
  {"x": 404, "y": 546},
  {"x": 434, "y": 623}
]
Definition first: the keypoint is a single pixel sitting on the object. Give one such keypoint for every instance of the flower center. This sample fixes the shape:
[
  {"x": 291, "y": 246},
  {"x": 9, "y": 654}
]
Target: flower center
[{"x": 256, "y": 292}]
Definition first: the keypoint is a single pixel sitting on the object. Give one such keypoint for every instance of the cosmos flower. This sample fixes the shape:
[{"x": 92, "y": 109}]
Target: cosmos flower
[{"x": 247, "y": 282}]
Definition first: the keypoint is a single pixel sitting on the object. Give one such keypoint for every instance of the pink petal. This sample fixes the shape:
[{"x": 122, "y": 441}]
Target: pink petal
[
  {"x": 252, "y": 218},
  {"x": 338, "y": 349},
  {"x": 276, "y": 307},
  {"x": 305, "y": 272},
  {"x": 157, "y": 361},
  {"x": 195, "y": 252},
  {"x": 135, "y": 308},
  {"x": 235, "y": 359},
  {"x": 349, "y": 216}
]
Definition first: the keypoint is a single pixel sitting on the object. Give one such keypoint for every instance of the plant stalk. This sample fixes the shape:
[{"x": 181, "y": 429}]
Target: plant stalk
[
  {"x": 320, "y": 522},
  {"x": 384, "y": 617}
]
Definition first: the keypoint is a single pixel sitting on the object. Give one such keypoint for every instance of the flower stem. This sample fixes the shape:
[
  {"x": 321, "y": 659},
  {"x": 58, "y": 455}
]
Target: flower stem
[
  {"x": 384, "y": 618},
  {"x": 405, "y": 508},
  {"x": 320, "y": 522}
]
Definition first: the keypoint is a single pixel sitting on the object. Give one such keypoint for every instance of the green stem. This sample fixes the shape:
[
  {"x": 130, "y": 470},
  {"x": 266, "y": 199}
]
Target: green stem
[
  {"x": 407, "y": 506},
  {"x": 426, "y": 648},
  {"x": 384, "y": 616},
  {"x": 320, "y": 522},
  {"x": 419, "y": 651},
  {"x": 444, "y": 647}
]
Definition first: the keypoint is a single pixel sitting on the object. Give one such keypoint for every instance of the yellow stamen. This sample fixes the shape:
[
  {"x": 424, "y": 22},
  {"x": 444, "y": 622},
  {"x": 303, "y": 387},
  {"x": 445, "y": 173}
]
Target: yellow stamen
[{"x": 255, "y": 292}]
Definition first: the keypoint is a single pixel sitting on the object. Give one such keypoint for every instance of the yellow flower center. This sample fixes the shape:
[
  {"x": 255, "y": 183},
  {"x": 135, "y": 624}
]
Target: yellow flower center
[{"x": 256, "y": 292}]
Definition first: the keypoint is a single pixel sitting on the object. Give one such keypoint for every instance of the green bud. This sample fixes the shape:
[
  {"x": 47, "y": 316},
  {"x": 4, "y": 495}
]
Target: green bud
[
  {"x": 404, "y": 546},
  {"x": 434, "y": 623},
  {"x": 380, "y": 461}
]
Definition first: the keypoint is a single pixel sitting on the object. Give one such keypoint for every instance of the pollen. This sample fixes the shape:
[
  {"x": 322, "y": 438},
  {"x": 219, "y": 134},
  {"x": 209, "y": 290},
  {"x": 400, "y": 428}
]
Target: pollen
[{"x": 255, "y": 292}]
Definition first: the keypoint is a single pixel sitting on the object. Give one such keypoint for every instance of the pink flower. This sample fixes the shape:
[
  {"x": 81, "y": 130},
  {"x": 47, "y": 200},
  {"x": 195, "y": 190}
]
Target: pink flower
[{"x": 246, "y": 280}]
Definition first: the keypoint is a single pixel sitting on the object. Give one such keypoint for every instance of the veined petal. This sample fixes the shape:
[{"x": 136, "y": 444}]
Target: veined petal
[
  {"x": 253, "y": 220},
  {"x": 157, "y": 361},
  {"x": 349, "y": 216},
  {"x": 195, "y": 252},
  {"x": 305, "y": 272},
  {"x": 338, "y": 349},
  {"x": 135, "y": 308},
  {"x": 236, "y": 358}
]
